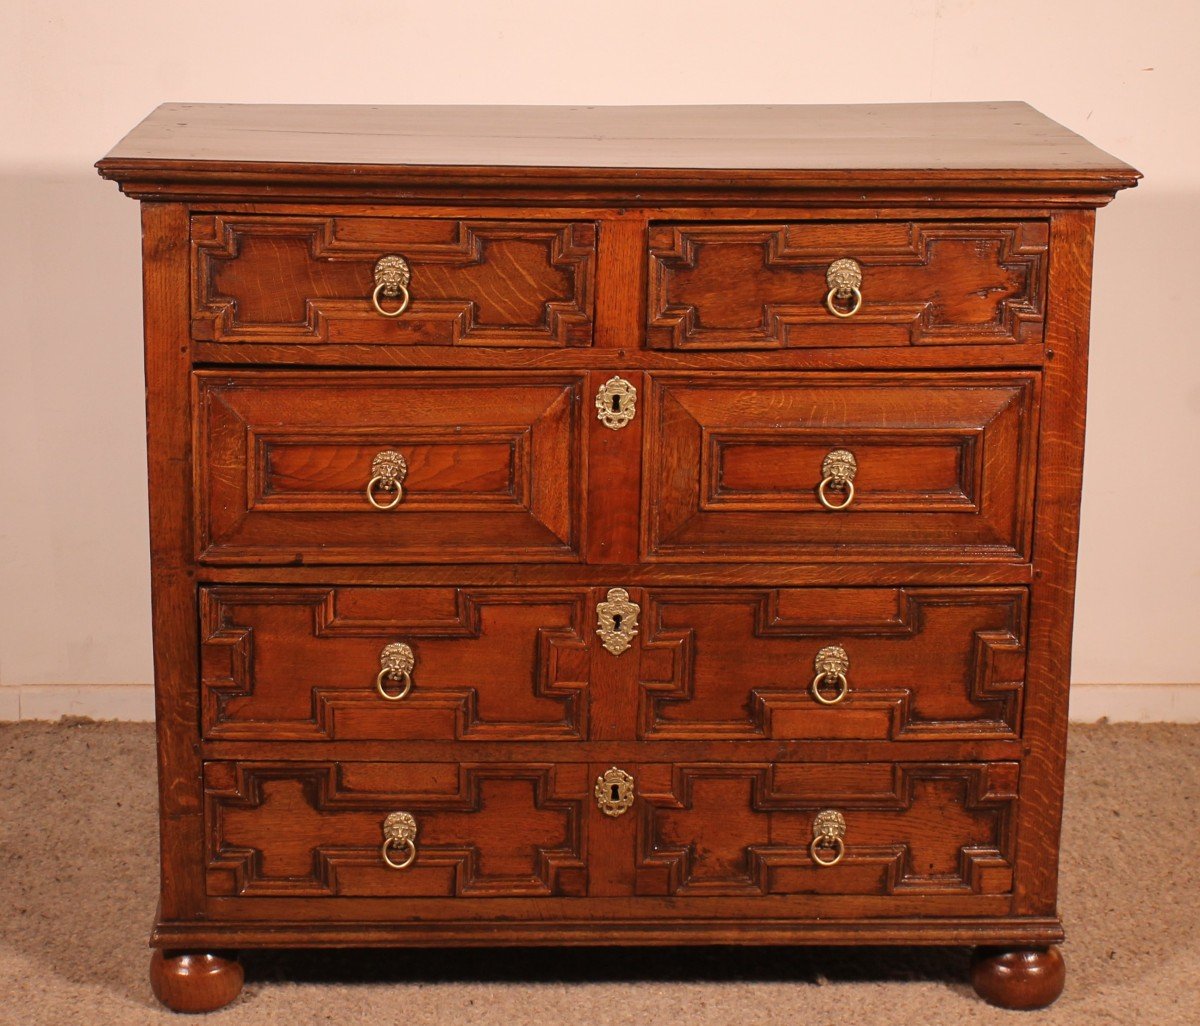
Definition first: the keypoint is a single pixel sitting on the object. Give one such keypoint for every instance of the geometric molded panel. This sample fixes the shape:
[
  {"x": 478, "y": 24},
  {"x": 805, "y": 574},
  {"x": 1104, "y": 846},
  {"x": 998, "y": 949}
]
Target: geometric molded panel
[
  {"x": 300, "y": 663},
  {"x": 764, "y": 286},
  {"x": 944, "y": 466},
  {"x": 495, "y": 466},
  {"x": 745, "y": 829},
  {"x": 315, "y": 829},
  {"x": 309, "y": 280},
  {"x": 925, "y": 663}
]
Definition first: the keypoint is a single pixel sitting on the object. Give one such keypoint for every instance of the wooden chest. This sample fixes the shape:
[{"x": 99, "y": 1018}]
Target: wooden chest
[{"x": 613, "y": 525}]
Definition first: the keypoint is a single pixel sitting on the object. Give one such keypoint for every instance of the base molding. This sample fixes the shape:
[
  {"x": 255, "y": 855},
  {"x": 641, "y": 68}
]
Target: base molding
[{"x": 956, "y": 931}]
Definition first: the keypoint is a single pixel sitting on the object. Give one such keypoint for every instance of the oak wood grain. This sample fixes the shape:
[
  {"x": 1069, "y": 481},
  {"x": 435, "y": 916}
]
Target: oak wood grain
[
  {"x": 682, "y": 249},
  {"x": 620, "y": 153}
]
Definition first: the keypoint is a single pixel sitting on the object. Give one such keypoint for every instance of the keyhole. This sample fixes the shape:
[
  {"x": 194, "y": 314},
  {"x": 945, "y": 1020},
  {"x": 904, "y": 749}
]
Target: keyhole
[
  {"x": 616, "y": 793},
  {"x": 616, "y": 404},
  {"x": 616, "y": 621}
]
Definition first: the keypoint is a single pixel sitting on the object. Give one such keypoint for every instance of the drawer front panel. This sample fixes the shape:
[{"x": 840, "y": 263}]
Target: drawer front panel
[
  {"x": 750, "y": 663},
  {"x": 311, "y": 279},
  {"x": 766, "y": 286},
  {"x": 493, "y": 467},
  {"x": 735, "y": 464},
  {"x": 317, "y": 829},
  {"x": 309, "y": 663},
  {"x": 748, "y": 829}
]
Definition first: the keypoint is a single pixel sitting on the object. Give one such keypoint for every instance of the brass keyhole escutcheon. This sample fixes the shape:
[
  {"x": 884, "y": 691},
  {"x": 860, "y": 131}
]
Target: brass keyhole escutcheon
[
  {"x": 616, "y": 621},
  {"x": 614, "y": 792},
  {"x": 616, "y": 403}
]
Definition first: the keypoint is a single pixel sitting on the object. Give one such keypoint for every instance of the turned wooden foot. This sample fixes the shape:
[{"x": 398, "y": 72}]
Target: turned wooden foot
[
  {"x": 1019, "y": 978},
  {"x": 194, "y": 982}
]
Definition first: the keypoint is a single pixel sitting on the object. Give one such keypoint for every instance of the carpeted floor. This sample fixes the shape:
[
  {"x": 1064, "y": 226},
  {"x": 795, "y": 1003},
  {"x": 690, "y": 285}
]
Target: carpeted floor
[{"x": 77, "y": 882}]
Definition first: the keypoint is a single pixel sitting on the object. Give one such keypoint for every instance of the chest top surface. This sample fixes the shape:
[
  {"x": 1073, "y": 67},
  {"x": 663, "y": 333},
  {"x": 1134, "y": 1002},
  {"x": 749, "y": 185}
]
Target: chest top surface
[{"x": 1005, "y": 144}]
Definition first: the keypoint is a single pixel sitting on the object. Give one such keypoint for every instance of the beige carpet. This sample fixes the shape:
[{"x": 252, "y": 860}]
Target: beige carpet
[{"x": 77, "y": 881}]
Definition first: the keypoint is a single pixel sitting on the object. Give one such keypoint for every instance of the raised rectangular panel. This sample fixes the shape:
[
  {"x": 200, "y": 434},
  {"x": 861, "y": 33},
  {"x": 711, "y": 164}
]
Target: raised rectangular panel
[
  {"x": 734, "y": 465},
  {"x": 494, "y": 466}
]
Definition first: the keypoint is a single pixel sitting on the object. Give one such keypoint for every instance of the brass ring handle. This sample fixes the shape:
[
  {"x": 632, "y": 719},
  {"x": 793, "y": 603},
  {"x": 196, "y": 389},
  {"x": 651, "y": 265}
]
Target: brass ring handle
[
  {"x": 388, "y": 471},
  {"x": 839, "y": 850},
  {"x": 396, "y": 662},
  {"x": 832, "y": 663},
  {"x": 379, "y": 480},
  {"x": 829, "y": 827},
  {"x": 406, "y": 861},
  {"x": 392, "y": 275},
  {"x": 844, "y": 278},
  {"x": 837, "y": 470},
  {"x": 855, "y": 292},
  {"x": 825, "y": 483},
  {"x": 399, "y": 831},
  {"x": 406, "y": 299},
  {"x": 843, "y": 688},
  {"x": 386, "y": 674}
]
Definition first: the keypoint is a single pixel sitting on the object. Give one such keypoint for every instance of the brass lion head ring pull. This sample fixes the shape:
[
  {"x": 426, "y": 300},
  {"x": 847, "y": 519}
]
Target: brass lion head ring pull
[
  {"x": 828, "y": 830},
  {"x": 844, "y": 278},
  {"x": 399, "y": 834},
  {"x": 388, "y": 471},
  {"x": 831, "y": 664},
  {"x": 396, "y": 663},
  {"x": 837, "y": 473},
  {"x": 392, "y": 275}
]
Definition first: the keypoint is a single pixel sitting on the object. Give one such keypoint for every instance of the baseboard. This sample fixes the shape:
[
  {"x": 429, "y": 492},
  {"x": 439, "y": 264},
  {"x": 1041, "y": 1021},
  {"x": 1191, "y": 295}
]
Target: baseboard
[
  {"x": 1128, "y": 703},
  {"x": 1135, "y": 703},
  {"x": 133, "y": 702}
]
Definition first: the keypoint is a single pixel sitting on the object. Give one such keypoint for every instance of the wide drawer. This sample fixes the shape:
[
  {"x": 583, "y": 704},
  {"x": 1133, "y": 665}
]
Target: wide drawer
[
  {"x": 517, "y": 664},
  {"x": 335, "y": 467},
  {"x": 692, "y": 831},
  {"x": 312, "y": 279},
  {"x": 879, "y": 283},
  {"x": 901, "y": 664},
  {"x": 760, "y": 467},
  {"x": 350, "y": 663}
]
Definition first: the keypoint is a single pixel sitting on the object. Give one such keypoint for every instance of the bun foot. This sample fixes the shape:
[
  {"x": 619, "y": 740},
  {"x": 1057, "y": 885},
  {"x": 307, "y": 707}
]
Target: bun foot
[
  {"x": 1018, "y": 978},
  {"x": 194, "y": 982}
]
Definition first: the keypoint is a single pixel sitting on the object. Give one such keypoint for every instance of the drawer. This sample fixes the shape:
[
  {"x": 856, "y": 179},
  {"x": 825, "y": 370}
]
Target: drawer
[
  {"x": 711, "y": 829},
  {"x": 449, "y": 830},
  {"x": 754, "y": 467},
  {"x": 457, "y": 664},
  {"x": 294, "y": 467},
  {"x": 468, "y": 283},
  {"x": 317, "y": 829},
  {"x": 893, "y": 283},
  {"x": 899, "y": 664}
]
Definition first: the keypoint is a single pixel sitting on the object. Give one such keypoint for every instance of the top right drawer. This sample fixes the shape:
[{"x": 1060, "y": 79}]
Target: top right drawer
[{"x": 846, "y": 284}]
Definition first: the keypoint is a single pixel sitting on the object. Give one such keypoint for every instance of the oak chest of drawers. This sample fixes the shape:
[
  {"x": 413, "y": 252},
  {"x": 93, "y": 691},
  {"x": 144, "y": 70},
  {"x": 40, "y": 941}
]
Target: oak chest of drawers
[{"x": 596, "y": 526}]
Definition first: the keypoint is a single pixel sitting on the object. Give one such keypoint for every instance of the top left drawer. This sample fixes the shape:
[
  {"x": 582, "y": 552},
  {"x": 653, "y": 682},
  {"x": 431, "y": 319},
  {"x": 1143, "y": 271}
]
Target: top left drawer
[{"x": 314, "y": 280}]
